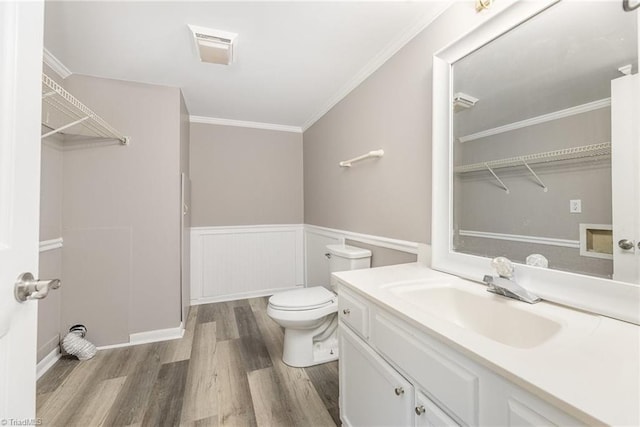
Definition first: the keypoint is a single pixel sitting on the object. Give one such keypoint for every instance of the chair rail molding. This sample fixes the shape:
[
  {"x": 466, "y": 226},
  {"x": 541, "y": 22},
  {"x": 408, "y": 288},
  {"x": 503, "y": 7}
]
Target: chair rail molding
[
  {"x": 370, "y": 239},
  {"x": 49, "y": 245}
]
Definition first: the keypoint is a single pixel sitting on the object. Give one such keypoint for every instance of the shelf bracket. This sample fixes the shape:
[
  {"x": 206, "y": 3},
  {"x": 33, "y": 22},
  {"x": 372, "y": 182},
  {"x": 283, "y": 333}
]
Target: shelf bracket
[
  {"x": 535, "y": 175},
  {"x": 504, "y": 187},
  {"x": 64, "y": 127}
]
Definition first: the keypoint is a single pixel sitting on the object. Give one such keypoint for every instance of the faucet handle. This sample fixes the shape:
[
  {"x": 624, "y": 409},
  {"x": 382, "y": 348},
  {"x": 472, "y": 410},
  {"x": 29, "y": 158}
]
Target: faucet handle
[{"x": 503, "y": 266}]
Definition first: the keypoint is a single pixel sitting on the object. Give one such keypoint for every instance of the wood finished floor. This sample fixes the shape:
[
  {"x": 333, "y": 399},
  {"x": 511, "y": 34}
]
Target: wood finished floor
[{"x": 227, "y": 370}]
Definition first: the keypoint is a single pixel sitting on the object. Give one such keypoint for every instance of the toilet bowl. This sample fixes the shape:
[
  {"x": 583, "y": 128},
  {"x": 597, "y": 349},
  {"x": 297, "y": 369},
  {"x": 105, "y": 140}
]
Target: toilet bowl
[{"x": 309, "y": 315}]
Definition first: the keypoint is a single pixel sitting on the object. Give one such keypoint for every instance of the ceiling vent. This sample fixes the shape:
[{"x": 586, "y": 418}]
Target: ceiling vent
[
  {"x": 214, "y": 46},
  {"x": 462, "y": 101}
]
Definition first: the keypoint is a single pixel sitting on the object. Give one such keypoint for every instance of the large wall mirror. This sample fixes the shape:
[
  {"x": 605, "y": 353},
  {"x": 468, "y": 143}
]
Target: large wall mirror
[{"x": 536, "y": 152}]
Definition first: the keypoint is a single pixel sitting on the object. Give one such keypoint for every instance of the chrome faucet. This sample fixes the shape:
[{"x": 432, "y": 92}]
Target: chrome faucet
[{"x": 504, "y": 284}]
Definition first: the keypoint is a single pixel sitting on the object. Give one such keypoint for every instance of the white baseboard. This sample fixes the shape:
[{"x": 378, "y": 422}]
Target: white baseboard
[
  {"x": 157, "y": 335},
  {"x": 149, "y": 337},
  {"x": 256, "y": 294},
  {"x": 47, "y": 362},
  {"x": 111, "y": 346}
]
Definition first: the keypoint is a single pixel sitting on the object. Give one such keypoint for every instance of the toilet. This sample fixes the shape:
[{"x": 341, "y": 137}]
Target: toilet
[{"x": 309, "y": 315}]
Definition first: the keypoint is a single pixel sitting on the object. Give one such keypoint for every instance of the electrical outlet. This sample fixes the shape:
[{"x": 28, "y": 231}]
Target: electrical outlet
[{"x": 575, "y": 206}]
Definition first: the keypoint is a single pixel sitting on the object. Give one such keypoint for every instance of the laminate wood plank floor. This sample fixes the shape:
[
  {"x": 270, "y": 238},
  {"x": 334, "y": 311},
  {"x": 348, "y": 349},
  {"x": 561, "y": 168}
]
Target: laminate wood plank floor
[{"x": 227, "y": 370}]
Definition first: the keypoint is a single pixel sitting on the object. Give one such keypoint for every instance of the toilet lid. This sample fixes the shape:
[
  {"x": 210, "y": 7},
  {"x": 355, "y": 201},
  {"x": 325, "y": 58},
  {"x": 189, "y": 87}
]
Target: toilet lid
[{"x": 302, "y": 299}]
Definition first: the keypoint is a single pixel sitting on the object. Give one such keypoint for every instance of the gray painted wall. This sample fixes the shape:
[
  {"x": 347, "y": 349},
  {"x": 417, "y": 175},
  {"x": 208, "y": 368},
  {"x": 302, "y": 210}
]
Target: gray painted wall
[
  {"x": 50, "y": 262},
  {"x": 392, "y": 110},
  {"x": 185, "y": 261},
  {"x": 121, "y": 214},
  {"x": 391, "y": 196},
  {"x": 384, "y": 256},
  {"x": 51, "y": 188},
  {"x": 243, "y": 176}
]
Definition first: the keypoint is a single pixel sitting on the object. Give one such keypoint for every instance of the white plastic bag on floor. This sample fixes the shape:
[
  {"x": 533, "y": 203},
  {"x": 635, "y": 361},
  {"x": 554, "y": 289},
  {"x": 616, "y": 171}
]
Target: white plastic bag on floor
[{"x": 75, "y": 344}]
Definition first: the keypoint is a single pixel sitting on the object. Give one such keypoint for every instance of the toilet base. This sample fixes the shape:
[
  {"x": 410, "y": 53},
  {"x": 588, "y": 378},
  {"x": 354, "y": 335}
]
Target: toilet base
[{"x": 310, "y": 347}]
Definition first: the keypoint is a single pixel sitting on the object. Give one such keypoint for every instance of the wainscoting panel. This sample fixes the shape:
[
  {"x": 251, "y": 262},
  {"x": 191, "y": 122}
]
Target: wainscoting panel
[
  {"x": 239, "y": 262},
  {"x": 236, "y": 262}
]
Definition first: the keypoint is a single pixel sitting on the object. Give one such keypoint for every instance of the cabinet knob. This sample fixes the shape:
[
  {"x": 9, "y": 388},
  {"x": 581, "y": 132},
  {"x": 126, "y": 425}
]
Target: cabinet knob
[
  {"x": 420, "y": 410},
  {"x": 399, "y": 391},
  {"x": 346, "y": 311}
]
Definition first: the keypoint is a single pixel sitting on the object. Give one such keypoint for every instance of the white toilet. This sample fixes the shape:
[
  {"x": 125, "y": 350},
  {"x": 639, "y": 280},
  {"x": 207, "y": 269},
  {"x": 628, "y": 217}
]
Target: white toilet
[{"x": 310, "y": 315}]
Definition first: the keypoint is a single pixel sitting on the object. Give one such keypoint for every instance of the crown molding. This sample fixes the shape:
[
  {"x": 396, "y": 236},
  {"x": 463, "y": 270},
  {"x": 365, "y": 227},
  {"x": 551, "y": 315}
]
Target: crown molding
[
  {"x": 373, "y": 65},
  {"x": 244, "y": 124},
  {"x": 55, "y": 64}
]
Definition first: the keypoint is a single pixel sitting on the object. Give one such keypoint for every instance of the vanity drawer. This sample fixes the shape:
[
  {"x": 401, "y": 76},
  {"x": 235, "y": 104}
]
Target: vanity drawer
[
  {"x": 450, "y": 384},
  {"x": 353, "y": 312},
  {"x": 428, "y": 414}
]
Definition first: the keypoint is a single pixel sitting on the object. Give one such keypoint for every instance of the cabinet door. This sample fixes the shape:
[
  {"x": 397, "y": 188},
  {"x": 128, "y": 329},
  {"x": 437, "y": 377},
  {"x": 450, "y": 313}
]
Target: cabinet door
[
  {"x": 372, "y": 393},
  {"x": 429, "y": 415}
]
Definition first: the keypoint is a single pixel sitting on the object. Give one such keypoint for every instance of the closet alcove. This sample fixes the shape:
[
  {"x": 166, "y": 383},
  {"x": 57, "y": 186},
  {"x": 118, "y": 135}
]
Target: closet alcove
[{"x": 111, "y": 218}]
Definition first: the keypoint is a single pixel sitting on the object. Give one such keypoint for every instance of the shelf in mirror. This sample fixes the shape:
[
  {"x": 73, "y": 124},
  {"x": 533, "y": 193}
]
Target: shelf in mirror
[{"x": 582, "y": 152}]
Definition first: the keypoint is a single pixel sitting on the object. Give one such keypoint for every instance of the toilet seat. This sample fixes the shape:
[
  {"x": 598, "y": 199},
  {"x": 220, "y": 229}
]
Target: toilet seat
[{"x": 303, "y": 299}]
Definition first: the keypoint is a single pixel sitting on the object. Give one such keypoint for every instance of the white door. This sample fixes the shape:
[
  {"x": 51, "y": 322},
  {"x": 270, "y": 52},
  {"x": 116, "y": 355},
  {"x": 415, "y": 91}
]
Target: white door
[
  {"x": 625, "y": 174},
  {"x": 21, "y": 30}
]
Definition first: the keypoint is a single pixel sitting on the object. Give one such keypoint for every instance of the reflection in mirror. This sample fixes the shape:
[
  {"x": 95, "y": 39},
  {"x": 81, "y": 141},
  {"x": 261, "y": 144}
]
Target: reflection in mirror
[{"x": 532, "y": 138}]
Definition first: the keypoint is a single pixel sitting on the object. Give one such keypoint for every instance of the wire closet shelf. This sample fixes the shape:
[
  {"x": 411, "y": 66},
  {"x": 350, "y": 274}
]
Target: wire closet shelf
[
  {"x": 582, "y": 152},
  {"x": 59, "y": 99}
]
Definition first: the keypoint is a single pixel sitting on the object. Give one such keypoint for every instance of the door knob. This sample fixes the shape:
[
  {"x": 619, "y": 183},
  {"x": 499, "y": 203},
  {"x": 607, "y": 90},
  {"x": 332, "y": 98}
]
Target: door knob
[
  {"x": 625, "y": 244},
  {"x": 27, "y": 287},
  {"x": 420, "y": 410},
  {"x": 399, "y": 391}
]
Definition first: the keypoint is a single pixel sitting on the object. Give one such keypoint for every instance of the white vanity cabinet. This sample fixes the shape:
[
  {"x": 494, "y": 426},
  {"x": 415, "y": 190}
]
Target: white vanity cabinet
[
  {"x": 394, "y": 374},
  {"x": 372, "y": 391},
  {"x": 376, "y": 393},
  {"x": 430, "y": 415}
]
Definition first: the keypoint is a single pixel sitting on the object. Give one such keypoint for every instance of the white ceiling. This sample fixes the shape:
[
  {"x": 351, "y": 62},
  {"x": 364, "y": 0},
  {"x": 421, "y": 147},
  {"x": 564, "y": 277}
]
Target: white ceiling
[{"x": 294, "y": 59}]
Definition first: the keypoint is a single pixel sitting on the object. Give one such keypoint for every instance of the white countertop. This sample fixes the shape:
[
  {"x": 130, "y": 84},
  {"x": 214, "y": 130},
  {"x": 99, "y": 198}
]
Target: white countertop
[{"x": 591, "y": 370}]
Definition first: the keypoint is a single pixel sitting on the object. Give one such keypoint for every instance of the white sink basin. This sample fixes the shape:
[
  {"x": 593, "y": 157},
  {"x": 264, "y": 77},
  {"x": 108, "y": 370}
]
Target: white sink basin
[{"x": 492, "y": 316}]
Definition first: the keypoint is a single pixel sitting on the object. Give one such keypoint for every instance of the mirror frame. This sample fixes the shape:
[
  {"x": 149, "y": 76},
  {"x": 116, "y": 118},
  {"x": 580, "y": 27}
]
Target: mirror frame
[{"x": 607, "y": 297}]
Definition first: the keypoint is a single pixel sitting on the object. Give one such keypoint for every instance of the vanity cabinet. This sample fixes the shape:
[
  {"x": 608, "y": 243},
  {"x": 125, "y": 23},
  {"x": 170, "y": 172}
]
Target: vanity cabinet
[
  {"x": 430, "y": 415},
  {"x": 377, "y": 394},
  {"x": 394, "y": 374},
  {"x": 353, "y": 312}
]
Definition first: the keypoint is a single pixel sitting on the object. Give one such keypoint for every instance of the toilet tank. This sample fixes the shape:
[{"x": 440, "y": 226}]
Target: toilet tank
[{"x": 345, "y": 258}]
